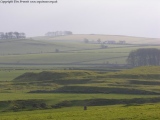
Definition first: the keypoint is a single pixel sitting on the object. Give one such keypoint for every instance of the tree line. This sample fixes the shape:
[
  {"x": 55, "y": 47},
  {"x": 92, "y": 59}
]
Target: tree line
[
  {"x": 58, "y": 33},
  {"x": 12, "y": 35},
  {"x": 144, "y": 57}
]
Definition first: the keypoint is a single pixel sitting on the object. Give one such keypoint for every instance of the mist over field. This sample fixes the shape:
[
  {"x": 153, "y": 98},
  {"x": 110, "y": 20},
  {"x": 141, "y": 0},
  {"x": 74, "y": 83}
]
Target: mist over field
[
  {"x": 139, "y": 18},
  {"x": 80, "y": 59}
]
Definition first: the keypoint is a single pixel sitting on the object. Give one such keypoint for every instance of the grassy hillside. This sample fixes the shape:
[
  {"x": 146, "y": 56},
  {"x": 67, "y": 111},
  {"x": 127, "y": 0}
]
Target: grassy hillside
[
  {"x": 29, "y": 46},
  {"x": 80, "y": 37},
  {"x": 117, "y": 112},
  {"x": 55, "y": 75},
  {"x": 31, "y": 88},
  {"x": 69, "y": 51},
  {"x": 47, "y": 94},
  {"x": 58, "y": 54},
  {"x": 73, "y": 81},
  {"x": 144, "y": 72}
]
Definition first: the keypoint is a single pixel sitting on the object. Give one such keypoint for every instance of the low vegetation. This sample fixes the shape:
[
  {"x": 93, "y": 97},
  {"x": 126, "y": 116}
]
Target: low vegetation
[
  {"x": 114, "y": 112},
  {"x": 90, "y": 90},
  {"x": 46, "y": 78},
  {"x": 54, "y": 75},
  {"x": 57, "y": 92}
]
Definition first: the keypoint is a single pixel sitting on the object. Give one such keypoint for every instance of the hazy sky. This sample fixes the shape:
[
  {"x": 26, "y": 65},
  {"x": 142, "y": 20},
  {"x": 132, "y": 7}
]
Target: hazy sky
[{"x": 112, "y": 17}]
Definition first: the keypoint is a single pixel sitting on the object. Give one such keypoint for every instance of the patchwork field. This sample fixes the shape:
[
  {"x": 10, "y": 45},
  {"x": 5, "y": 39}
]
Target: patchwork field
[
  {"x": 55, "y": 77},
  {"x": 57, "y": 92},
  {"x": 80, "y": 37},
  {"x": 70, "y": 51}
]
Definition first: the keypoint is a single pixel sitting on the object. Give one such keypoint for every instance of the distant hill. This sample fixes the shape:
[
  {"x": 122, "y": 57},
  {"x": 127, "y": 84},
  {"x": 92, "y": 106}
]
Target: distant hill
[
  {"x": 71, "y": 50},
  {"x": 27, "y": 46},
  {"x": 18, "y": 46},
  {"x": 81, "y": 37}
]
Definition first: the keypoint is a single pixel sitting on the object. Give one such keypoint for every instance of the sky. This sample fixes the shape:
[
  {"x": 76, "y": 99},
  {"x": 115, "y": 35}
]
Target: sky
[{"x": 140, "y": 18}]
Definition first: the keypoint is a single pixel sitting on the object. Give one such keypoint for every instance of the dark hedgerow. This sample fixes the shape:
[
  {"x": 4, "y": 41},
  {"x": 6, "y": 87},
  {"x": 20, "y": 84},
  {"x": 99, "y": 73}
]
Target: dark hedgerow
[{"x": 90, "y": 89}]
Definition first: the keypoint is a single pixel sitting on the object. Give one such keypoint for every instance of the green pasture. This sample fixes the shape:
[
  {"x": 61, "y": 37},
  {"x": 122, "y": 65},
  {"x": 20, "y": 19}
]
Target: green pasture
[
  {"x": 117, "y": 112},
  {"x": 28, "y": 46},
  {"x": 30, "y": 94},
  {"x": 79, "y": 56},
  {"x": 49, "y": 52},
  {"x": 141, "y": 79},
  {"x": 28, "y": 74},
  {"x": 10, "y": 74},
  {"x": 95, "y": 37},
  {"x": 54, "y": 98}
]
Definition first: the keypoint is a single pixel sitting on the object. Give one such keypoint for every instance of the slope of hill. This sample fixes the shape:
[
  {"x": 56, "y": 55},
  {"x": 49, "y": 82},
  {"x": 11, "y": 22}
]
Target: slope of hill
[
  {"x": 70, "y": 50},
  {"x": 22, "y": 46},
  {"x": 30, "y": 46},
  {"x": 81, "y": 37}
]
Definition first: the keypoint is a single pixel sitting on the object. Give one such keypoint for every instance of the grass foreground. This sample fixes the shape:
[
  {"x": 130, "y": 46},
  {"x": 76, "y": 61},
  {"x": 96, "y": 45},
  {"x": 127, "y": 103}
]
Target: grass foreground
[
  {"x": 62, "y": 94},
  {"x": 116, "y": 112}
]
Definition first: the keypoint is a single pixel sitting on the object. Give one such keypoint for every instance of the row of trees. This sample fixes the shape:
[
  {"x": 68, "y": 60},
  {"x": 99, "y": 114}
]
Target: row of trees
[
  {"x": 143, "y": 57},
  {"x": 12, "y": 35},
  {"x": 88, "y": 41},
  {"x": 58, "y": 33}
]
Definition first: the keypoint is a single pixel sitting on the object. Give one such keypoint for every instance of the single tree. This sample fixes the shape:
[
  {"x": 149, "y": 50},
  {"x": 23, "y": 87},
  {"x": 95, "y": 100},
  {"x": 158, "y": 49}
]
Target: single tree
[
  {"x": 16, "y": 34},
  {"x": 86, "y": 40},
  {"x": 10, "y": 35}
]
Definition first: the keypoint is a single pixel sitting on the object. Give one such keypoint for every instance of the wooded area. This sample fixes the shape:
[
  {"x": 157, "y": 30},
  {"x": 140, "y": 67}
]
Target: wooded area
[
  {"x": 143, "y": 57},
  {"x": 12, "y": 35}
]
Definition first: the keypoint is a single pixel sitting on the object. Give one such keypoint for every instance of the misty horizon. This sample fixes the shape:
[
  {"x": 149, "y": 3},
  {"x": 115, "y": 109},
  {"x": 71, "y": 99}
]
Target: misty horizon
[{"x": 106, "y": 17}]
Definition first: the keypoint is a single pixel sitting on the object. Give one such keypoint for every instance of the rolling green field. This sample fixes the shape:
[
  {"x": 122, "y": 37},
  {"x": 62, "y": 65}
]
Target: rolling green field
[
  {"x": 117, "y": 112},
  {"x": 69, "y": 51},
  {"x": 55, "y": 77},
  {"x": 80, "y": 37},
  {"x": 57, "y": 93}
]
